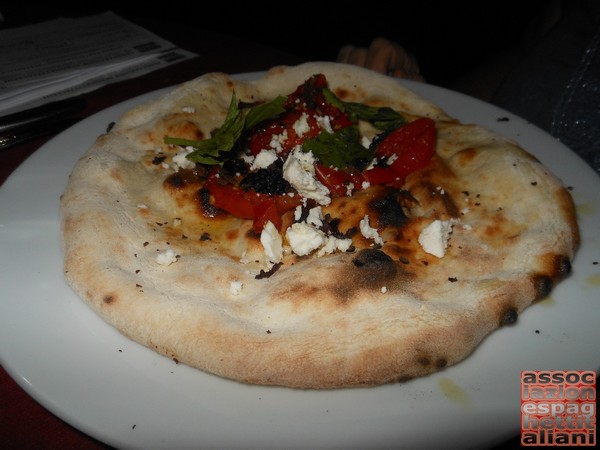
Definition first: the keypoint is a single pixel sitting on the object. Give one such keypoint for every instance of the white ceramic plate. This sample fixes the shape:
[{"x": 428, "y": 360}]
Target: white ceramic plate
[{"x": 127, "y": 396}]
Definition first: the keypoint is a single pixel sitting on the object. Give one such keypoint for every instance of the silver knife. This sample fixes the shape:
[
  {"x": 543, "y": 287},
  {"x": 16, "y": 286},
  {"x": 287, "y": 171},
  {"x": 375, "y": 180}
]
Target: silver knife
[{"x": 50, "y": 118}]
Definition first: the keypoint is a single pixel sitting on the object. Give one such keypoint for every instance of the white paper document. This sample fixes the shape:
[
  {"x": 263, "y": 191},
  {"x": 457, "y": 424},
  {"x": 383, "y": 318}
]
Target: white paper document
[{"x": 65, "y": 57}]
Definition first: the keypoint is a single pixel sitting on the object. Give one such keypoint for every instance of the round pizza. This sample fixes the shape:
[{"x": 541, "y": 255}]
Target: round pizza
[{"x": 321, "y": 226}]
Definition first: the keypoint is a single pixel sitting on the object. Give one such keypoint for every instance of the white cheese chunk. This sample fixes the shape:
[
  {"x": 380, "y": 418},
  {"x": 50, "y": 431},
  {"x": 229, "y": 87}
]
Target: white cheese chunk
[
  {"x": 272, "y": 243},
  {"x": 263, "y": 160},
  {"x": 315, "y": 217},
  {"x": 277, "y": 141},
  {"x": 434, "y": 237},
  {"x": 180, "y": 160},
  {"x": 369, "y": 232},
  {"x": 304, "y": 239},
  {"x": 299, "y": 171},
  {"x": 333, "y": 244},
  {"x": 166, "y": 258},
  {"x": 235, "y": 287},
  {"x": 324, "y": 123},
  {"x": 301, "y": 125}
]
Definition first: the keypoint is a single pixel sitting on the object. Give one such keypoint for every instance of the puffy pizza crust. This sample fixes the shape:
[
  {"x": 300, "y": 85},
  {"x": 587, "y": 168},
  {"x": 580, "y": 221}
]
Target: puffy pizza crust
[{"x": 361, "y": 318}]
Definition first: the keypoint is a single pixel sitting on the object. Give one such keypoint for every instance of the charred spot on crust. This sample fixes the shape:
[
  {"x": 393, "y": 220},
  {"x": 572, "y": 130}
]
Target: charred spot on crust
[
  {"x": 559, "y": 267},
  {"x": 425, "y": 361},
  {"x": 266, "y": 274},
  {"x": 208, "y": 209},
  {"x": 389, "y": 210},
  {"x": 375, "y": 263},
  {"x": 108, "y": 299},
  {"x": 563, "y": 266},
  {"x": 509, "y": 317},
  {"x": 186, "y": 177},
  {"x": 543, "y": 286}
]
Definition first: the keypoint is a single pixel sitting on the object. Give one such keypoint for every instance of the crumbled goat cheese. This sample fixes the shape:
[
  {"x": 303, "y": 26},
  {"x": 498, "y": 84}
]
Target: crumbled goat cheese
[
  {"x": 263, "y": 160},
  {"x": 301, "y": 125},
  {"x": 365, "y": 142},
  {"x": 315, "y": 217},
  {"x": 299, "y": 171},
  {"x": 333, "y": 244},
  {"x": 304, "y": 239},
  {"x": 277, "y": 141},
  {"x": 434, "y": 237},
  {"x": 272, "y": 243},
  {"x": 349, "y": 189},
  {"x": 324, "y": 123},
  {"x": 235, "y": 287},
  {"x": 166, "y": 258},
  {"x": 370, "y": 232},
  {"x": 180, "y": 160}
]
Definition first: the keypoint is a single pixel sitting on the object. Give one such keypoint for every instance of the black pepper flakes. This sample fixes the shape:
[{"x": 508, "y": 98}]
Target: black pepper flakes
[{"x": 452, "y": 279}]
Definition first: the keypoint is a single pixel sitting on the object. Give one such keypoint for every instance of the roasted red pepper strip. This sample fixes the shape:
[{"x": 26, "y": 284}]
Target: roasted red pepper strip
[
  {"x": 266, "y": 212},
  {"x": 336, "y": 180},
  {"x": 231, "y": 199},
  {"x": 412, "y": 144},
  {"x": 381, "y": 175},
  {"x": 250, "y": 204}
]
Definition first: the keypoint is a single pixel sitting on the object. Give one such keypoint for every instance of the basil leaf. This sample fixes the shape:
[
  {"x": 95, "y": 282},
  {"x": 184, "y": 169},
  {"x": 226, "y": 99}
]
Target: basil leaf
[
  {"x": 265, "y": 111},
  {"x": 212, "y": 151},
  {"x": 340, "y": 149},
  {"x": 209, "y": 151},
  {"x": 382, "y": 118}
]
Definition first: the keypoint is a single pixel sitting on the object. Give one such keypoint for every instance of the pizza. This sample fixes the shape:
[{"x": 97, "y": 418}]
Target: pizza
[{"x": 318, "y": 227}]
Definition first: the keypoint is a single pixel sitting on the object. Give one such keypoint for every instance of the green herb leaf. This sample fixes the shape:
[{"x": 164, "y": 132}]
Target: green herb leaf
[
  {"x": 210, "y": 151},
  {"x": 265, "y": 111},
  {"x": 340, "y": 149},
  {"x": 214, "y": 150},
  {"x": 382, "y": 118}
]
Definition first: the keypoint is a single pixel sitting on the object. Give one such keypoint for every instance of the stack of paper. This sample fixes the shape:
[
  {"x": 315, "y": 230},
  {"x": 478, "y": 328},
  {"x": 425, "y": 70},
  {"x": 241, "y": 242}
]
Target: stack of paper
[{"x": 64, "y": 57}]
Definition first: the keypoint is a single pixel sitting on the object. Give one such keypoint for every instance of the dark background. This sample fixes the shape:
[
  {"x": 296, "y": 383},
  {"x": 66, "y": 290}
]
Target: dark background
[{"x": 448, "y": 38}]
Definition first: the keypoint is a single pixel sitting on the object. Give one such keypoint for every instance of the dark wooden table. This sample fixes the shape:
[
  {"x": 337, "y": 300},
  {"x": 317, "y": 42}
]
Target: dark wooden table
[{"x": 24, "y": 423}]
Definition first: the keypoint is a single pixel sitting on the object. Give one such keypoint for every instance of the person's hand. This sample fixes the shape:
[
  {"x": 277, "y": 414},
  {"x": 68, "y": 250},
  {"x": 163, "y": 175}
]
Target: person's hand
[{"x": 382, "y": 56}]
